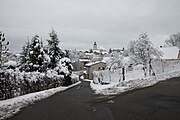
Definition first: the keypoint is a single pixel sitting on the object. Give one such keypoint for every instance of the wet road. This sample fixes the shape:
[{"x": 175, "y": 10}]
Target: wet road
[{"x": 159, "y": 102}]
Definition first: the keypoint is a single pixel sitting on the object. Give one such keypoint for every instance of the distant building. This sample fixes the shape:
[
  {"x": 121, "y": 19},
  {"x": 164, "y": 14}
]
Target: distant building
[
  {"x": 95, "y": 46},
  {"x": 98, "y": 50},
  {"x": 94, "y": 66},
  {"x": 118, "y": 50},
  {"x": 80, "y": 65}
]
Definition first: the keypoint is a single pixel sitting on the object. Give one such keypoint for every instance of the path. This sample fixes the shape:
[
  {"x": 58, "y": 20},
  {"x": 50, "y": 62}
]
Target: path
[{"x": 159, "y": 102}]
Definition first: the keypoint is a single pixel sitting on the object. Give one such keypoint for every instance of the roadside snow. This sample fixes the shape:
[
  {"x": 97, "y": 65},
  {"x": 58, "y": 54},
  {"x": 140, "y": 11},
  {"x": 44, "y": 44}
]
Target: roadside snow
[
  {"x": 11, "y": 106},
  {"x": 134, "y": 79},
  {"x": 116, "y": 88}
]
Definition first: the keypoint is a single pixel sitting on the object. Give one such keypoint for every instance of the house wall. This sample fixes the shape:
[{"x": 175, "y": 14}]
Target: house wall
[
  {"x": 78, "y": 66},
  {"x": 95, "y": 67}
]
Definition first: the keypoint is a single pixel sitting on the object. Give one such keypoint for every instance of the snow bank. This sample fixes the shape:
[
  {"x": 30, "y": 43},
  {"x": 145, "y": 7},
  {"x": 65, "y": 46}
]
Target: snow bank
[
  {"x": 11, "y": 106},
  {"x": 135, "y": 78},
  {"x": 116, "y": 88}
]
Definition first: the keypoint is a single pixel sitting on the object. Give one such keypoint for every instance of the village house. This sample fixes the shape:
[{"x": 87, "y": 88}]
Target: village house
[
  {"x": 170, "y": 53},
  {"x": 94, "y": 66},
  {"x": 80, "y": 64},
  {"x": 117, "y": 50}
]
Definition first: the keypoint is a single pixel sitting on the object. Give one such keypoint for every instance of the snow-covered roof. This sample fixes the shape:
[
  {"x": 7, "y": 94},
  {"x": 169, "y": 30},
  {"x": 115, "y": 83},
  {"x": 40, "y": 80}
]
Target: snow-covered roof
[
  {"x": 12, "y": 63},
  {"x": 84, "y": 60},
  {"x": 106, "y": 59},
  {"x": 170, "y": 52},
  {"x": 93, "y": 63},
  {"x": 96, "y": 51},
  {"x": 88, "y": 54}
]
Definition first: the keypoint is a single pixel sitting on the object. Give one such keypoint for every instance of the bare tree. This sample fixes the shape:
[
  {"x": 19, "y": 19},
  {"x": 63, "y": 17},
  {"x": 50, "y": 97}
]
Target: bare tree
[{"x": 174, "y": 40}]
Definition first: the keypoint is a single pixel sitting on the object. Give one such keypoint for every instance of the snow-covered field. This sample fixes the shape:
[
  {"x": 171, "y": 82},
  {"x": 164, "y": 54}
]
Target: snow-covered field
[
  {"x": 11, "y": 106},
  {"x": 135, "y": 78}
]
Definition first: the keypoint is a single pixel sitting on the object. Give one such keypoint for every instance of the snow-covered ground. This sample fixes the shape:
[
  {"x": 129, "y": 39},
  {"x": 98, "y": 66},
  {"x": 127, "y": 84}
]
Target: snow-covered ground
[
  {"x": 135, "y": 78},
  {"x": 11, "y": 106}
]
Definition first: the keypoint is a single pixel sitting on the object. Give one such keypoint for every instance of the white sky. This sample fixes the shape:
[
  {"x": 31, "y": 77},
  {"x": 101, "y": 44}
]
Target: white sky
[{"x": 111, "y": 23}]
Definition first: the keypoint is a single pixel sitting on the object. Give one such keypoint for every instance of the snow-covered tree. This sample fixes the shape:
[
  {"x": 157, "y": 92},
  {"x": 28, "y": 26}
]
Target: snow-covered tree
[
  {"x": 24, "y": 55},
  {"x": 4, "y": 84},
  {"x": 75, "y": 55},
  {"x": 142, "y": 51},
  {"x": 34, "y": 55},
  {"x": 174, "y": 40},
  {"x": 64, "y": 67},
  {"x": 54, "y": 51},
  {"x": 115, "y": 61},
  {"x": 3, "y": 49}
]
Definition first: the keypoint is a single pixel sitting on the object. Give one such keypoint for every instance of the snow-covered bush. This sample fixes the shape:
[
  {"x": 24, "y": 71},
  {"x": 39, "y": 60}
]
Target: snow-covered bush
[
  {"x": 39, "y": 68},
  {"x": 64, "y": 67},
  {"x": 15, "y": 83}
]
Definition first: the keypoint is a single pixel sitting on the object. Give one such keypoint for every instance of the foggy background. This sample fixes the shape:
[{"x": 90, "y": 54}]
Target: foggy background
[{"x": 79, "y": 23}]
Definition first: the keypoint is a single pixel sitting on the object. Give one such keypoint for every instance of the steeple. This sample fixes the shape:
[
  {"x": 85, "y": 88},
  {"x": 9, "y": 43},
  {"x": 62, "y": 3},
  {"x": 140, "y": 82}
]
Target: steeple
[{"x": 95, "y": 46}]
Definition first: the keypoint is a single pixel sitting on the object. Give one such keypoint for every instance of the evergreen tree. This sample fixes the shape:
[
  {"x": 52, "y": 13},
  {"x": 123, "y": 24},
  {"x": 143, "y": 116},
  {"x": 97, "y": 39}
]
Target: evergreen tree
[
  {"x": 54, "y": 51},
  {"x": 3, "y": 82},
  {"x": 24, "y": 55},
  {"x": 35, "y": 57},
  {"x": 3, "y": 49}
]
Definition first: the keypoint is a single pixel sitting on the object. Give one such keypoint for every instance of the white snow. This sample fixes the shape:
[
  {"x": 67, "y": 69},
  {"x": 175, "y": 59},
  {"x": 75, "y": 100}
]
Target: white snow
[
  {"x": 12, "y": 63},
  {"x": 65, "y": 59},
  {"x": 11, "y": 106},
  {"x": 31, "y": 52},
  {"x": 134, "y": 79},
  {"x": 84, "y": 60},
  {"x": 106, "y": 59},
  {"x": 93, "y": 63},
  {"x": 64, "y": 70}
]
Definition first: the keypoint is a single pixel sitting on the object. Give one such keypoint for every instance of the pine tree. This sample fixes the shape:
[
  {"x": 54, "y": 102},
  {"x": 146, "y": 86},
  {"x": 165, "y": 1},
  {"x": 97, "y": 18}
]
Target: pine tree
[
  {"x": 54, "y": 51},
  {"x": 3, "y": 81},
  {"x": 35, "y": 55},
  {"x": 24, "y": 55},
  {"x": 3, "y": 49}
]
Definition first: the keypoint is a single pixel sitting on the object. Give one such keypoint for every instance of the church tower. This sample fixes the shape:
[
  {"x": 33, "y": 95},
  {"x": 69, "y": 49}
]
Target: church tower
[{"x": 95, "y": 46}]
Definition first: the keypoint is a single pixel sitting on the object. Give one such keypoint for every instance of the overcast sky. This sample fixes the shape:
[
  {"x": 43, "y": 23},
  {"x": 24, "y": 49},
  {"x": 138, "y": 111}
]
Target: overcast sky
[{"x": 111, "y": 23}]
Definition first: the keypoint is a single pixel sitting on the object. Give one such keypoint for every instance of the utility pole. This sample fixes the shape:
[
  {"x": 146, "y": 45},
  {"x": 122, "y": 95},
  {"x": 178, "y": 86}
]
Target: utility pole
[{"x": 123, "y": 72}]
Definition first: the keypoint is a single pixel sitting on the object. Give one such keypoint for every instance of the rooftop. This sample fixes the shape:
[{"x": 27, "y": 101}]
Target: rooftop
[
  {"x": 170, "y": 52},
  {"x": 93, "y": 63}
]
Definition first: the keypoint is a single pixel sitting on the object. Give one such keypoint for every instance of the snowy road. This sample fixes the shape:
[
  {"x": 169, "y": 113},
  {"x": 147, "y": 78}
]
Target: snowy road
[{"x": 159, "y": 102}]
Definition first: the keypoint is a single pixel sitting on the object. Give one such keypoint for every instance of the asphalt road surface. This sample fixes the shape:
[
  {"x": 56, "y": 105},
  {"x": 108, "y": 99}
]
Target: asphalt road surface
[{"x": 159, "y": 102}]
